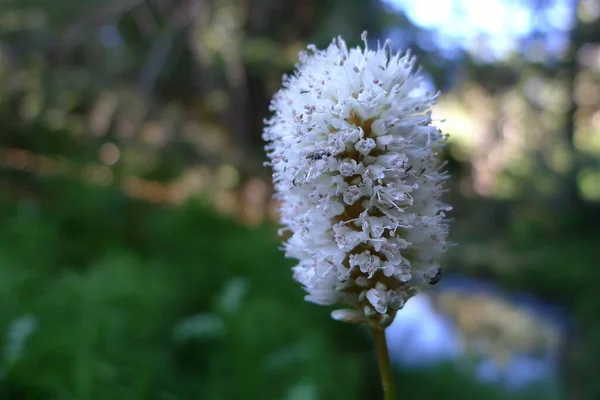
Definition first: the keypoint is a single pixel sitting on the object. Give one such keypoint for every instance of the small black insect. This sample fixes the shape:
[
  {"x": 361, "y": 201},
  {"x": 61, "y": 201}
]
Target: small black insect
[
  {"x": 436, "y": 278},
  {"x": 318, "y": 155}
]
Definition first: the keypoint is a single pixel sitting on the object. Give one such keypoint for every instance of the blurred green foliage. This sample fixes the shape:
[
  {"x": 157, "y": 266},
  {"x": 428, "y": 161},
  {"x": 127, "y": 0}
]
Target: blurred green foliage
[
  {"x": 133, "y": 301},
  {"x": 109, "y": 297}
]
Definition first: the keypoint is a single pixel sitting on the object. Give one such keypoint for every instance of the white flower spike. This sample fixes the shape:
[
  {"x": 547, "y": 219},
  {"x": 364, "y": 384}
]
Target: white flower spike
[{"x": 358, "y": 177}]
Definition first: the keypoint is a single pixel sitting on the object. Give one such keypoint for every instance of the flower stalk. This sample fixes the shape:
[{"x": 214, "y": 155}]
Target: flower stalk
[{"x": 385, "y": 367}]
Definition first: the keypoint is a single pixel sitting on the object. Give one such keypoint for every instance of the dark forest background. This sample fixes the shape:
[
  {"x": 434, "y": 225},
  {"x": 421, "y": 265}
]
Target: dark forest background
[{"x": 138, "y": 248}]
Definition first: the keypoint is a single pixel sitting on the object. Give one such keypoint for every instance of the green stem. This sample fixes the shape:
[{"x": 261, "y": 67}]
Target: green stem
[{"x": 385, "y": 368}]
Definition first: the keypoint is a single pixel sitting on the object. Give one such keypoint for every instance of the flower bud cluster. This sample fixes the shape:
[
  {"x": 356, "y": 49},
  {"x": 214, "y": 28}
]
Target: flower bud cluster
[{"x": 358, "y": 176}]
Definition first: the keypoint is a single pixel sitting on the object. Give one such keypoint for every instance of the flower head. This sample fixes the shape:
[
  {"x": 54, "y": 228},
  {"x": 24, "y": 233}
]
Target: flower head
[{"x": 358, "y": 177}]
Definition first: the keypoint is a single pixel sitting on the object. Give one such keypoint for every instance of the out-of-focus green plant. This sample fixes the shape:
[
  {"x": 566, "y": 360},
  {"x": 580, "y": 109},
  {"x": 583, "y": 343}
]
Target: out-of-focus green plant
[
  {"x": 125, "y": 300},
  {"x": 105, "y": 297}
]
